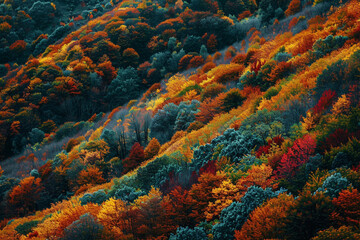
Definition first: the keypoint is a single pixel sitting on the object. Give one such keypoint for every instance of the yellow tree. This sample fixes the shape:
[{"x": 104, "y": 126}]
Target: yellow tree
[
  {"x": 342, "y": 105},
  {"x": 224, "y": 195},
  {"x": 113, "y": 215},
  {"x": 175, "y": 85},
  {"x": 98, "y": 146}
]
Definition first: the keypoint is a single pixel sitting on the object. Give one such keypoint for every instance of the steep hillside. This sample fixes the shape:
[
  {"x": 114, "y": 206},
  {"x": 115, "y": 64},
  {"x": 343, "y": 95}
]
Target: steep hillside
[
  {"x": 188, "y": 120},
  {"x": 137, "y": 44}
]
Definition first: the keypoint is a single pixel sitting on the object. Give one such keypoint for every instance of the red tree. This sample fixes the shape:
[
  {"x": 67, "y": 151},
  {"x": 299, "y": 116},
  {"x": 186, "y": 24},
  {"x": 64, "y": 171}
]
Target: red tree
[
  {"x": 107, "y": 71},
  {"x": 212, "y": 43},
  {"x": 297, "y": 155},
  {"x": 256, "y": 66},
  {"x": 178, "y": 207},
  {"x": 135, "y": 157},
  {"x": 347, "y": 211},
  {"x": 196, "y": 62},
  {"x": 24, "y": 197},
  {"x": 294, "y": 7},
  {"x": 324, "y": 102}
]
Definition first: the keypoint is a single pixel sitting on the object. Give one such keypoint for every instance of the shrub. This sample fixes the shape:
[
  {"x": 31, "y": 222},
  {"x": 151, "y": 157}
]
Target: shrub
[
  {"x": 97, "y": 197},
  {"x": 195, "y": 126},
  {"x": 282, "y": 57},
  {"x": 86, "y": 228},
  {"x": 128, "y": 194},
  {"x": 329, "y": 44},
  {"x": 26, "y": 228},
  {"x": 232, "y": 100},
  {"x": 229, "y": 73}
]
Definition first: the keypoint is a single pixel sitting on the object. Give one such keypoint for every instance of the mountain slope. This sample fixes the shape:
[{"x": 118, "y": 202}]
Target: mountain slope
[{"x": 258, "y": 141}]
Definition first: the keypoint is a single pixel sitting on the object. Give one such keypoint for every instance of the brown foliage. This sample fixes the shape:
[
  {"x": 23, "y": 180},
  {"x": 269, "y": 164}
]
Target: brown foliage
[
  {"x": 152, "y": 148},
  {"x": 294, "y": 7},
  {"x": 91, "y": 175},
  {"x": 25, "y": 196},
  {"x": 229, "y": 73}
]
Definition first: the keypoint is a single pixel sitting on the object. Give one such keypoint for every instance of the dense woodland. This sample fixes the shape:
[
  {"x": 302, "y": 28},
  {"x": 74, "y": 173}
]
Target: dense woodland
[{"x": 180, "y": 120}]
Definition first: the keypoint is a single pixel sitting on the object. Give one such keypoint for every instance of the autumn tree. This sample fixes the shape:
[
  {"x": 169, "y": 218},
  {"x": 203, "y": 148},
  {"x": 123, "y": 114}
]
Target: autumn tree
[
  {"x": 296, "y": 156},
  {"x": 294, "y": 7},
  {"x": 71, "y": 211},
  {"x": 343, "y": 232},
  {"x": 106, "y": 71},
  {"x": 258, "y": 175},
  {"x": 346, "y": 210},
  {"x": 99, "y": 146},
  {"x": 209, "y": 108},
  {"x": 151, "y": 215},
  {"x": 212, "y": 43},
  {"x": 195, "y": 62},
  {"x": 178, "y": 206},
  {"x": 26, "y": 195},
  {"x": 115, "y": 216},
  {"x": 201, "y": 193},
  {"x": 223, "y": 196},
  {"x": 130, "y": 57},
  {"x": 342, "y": 105},
  {"x": 91, "y": 175},
  {"x": 152, "y": 148},
  {"x": 135, "y": 157},
  {"x": 324, "y": 102},
  {"x": 208, "y": 66},
  {"x": 48, "y": 126},
  {"x": 267, "y": 221}
]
